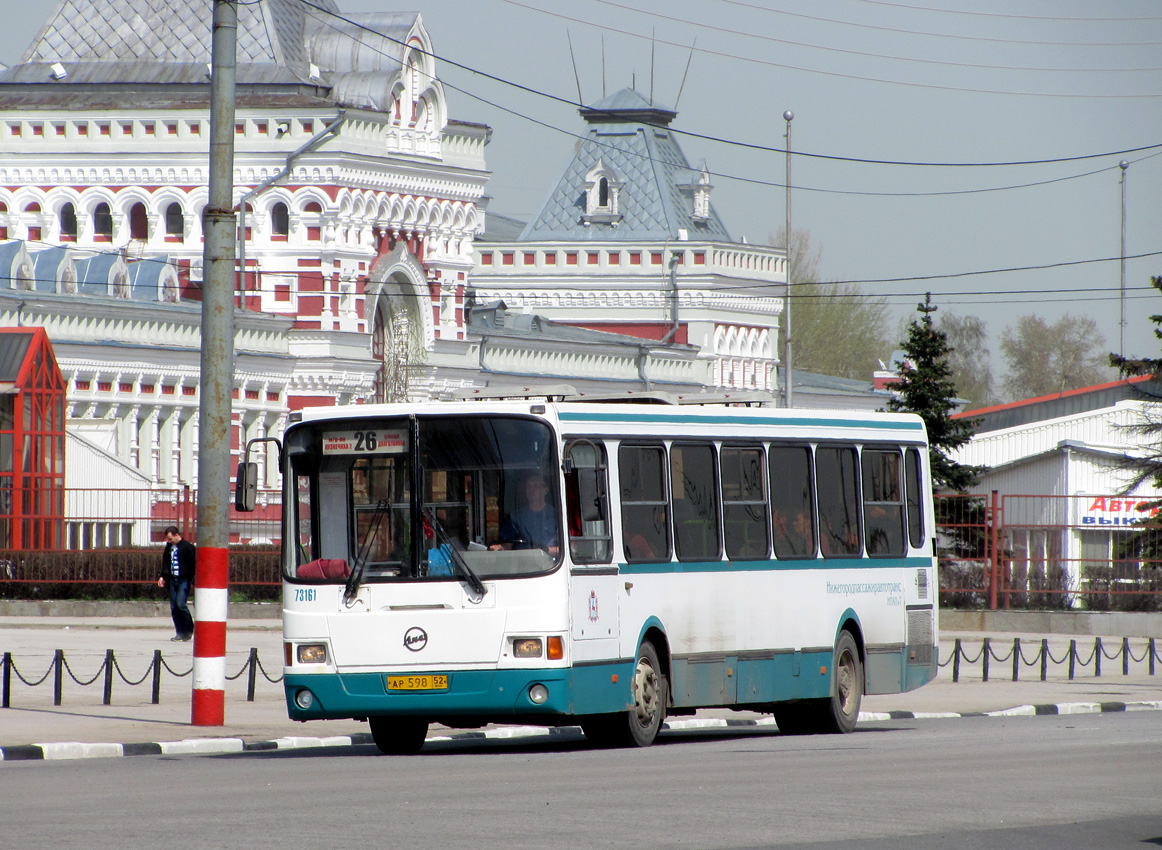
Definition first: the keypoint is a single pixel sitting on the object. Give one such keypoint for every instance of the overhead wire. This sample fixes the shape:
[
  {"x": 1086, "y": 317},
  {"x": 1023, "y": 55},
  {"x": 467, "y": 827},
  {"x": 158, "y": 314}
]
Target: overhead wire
[
  {"x": 862, "y": 53},
  {"x": 744, "y": 289},
  {"x": 954, "y": 36},
  {"x": 722, "y": 140},
  {"x": 837, "y": 74},
  {"x": 328, "y": 13}
]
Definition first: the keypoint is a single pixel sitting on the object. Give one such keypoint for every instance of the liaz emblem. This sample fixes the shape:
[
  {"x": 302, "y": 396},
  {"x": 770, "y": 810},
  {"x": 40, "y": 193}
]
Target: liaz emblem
[{"x": 415, "y": 639}]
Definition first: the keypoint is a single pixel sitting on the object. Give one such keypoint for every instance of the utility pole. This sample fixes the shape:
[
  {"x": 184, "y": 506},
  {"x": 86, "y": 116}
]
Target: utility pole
[
  {"x": 787, "y": 399},
  {"x": 1122, "y": 300},
  {"x": 217, "y": 381}
]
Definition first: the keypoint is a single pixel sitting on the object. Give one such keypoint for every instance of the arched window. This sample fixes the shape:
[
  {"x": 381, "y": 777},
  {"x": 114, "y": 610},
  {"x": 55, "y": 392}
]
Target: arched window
[
  {"x": 175, "y": 220},
  {"x": 279, "y": 221},
  {"x": 33, "y": 229},
  {"x": 102, "y": 223},
  {"x": 603, "y": 192},
  {"x": 68, "y": 221},
  {"x": 138, "y": 222}
]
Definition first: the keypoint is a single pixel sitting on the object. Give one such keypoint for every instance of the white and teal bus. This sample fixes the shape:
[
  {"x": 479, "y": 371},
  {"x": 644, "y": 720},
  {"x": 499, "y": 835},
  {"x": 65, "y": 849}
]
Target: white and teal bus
[{"x": 602, "y": 564}]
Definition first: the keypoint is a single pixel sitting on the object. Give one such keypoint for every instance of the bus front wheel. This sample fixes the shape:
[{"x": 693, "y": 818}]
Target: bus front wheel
[
  {"x": 398, "y": 736},
  {"x": 639, "y": 726}
]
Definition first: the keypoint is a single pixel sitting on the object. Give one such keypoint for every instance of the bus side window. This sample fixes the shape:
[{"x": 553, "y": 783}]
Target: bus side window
[
  {"x": 792, "y": 502},
  {"x": 837, "y": 485},
  {"x": 694, "y": 494},
  {"x": 883, "y": 502},
  {"x": 587, "y": 502},
  {"x": 645, "y": 518},
  {"x": 914, "y": 497},
  {"x": 744, "y": 504}
]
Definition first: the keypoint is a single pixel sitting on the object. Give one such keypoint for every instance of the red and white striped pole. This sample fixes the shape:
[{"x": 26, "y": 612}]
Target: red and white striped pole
[
  {"x": 209, "y": 697},
  {"x": 217, "y": 380}
]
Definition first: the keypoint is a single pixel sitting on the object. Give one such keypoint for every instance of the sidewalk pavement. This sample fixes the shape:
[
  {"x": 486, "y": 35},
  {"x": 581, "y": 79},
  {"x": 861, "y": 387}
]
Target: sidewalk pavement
[{"x": 33, "y": 727}]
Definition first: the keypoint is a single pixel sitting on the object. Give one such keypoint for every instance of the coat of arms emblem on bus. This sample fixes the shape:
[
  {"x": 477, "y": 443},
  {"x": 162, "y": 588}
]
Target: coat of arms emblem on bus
[{"x": 593, "y": 606}]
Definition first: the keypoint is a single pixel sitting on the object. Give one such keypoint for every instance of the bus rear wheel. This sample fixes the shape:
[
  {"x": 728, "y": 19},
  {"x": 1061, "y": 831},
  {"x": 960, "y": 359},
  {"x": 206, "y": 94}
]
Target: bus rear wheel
[
  {"x": 841, "y": 711},
  {"x": 398, "y": 736},
  {"x": 639, "y": 726},
  {"x": 837, "y": 713}
]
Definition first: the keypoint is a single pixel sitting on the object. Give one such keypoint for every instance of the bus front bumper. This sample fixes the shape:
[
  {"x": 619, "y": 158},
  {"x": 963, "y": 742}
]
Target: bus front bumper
[{"x": 496, "y": 693}]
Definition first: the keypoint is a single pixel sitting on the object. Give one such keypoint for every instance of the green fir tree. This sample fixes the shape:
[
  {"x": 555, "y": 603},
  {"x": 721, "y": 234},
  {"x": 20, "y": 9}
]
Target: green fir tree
[
  {"x": 1145, "y": 545},
  {"x": 926, "y": 389}
]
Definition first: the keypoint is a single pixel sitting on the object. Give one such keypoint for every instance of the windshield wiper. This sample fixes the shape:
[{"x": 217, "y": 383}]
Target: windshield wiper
[
  {"x": 443, "y": 538},
  {"x": 356, "y": 577}
]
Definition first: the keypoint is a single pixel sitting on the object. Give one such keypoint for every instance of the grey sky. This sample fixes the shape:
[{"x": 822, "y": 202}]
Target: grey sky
[{"x": 1010, "y": 80}]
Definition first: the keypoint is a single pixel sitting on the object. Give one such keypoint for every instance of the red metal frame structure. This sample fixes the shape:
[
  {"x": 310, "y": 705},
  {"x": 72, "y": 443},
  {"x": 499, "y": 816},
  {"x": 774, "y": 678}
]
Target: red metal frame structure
[{"x": 32, "y": 441}]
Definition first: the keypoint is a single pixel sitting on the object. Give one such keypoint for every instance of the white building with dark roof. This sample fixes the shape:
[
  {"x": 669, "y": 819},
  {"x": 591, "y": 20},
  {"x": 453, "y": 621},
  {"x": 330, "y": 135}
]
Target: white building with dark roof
[{"x": 627, "y": 241}]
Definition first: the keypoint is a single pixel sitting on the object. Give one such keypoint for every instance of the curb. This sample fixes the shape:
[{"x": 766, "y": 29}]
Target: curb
[{"x": 226, "y": 746}]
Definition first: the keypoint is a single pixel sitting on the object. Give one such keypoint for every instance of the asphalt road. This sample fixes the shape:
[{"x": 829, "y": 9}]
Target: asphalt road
[{"x": 1081, "y": 781}]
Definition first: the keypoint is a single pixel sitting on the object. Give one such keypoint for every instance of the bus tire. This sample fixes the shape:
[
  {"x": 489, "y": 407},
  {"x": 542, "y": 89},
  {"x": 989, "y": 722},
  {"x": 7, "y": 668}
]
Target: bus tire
[
  {"x": 398, "y": 736},
  {"x": 639, "y": 726},
  {"x": 836, "y": 714},
  {"x": 841, "y": 710}
]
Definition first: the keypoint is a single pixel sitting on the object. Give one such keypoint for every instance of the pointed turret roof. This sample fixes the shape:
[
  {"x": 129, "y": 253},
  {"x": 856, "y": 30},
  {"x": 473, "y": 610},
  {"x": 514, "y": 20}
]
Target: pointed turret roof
[{"x": 629, "y": 136}]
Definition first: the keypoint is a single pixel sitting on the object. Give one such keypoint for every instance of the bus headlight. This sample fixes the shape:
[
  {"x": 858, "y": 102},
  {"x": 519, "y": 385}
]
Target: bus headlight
[
  {"x": 312, "y": 653},
  {"x": 304, "y": 699},
  {"x": 526, "y": 648},
  {"x": 538, "y": 693}
]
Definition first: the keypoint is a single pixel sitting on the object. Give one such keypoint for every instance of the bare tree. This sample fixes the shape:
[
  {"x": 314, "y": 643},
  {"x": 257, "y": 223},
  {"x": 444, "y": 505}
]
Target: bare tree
[
  {"x": 968, "y": 358},
  {"x": 1044, "y": 359},
  {"x": 836, "y": 329}
]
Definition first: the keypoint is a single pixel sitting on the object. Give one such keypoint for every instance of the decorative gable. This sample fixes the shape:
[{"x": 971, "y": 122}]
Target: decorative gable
[{"x": 602, "y": 195}]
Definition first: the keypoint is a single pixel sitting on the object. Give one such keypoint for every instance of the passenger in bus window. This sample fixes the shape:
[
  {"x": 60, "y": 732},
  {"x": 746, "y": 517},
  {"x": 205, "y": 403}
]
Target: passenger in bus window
[
  {"x": 648, "y": 540},
  {"x": 841, "y": 541},
  {"x": 533, "y": 526},
  {"x": 792, "y": 538}
]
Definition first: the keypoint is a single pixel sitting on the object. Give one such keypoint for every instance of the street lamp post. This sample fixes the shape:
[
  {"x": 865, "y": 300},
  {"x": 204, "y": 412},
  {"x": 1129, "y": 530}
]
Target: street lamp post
[
  {"x": 1122, "y": 263},
  {"x": 787, "y": 397}
]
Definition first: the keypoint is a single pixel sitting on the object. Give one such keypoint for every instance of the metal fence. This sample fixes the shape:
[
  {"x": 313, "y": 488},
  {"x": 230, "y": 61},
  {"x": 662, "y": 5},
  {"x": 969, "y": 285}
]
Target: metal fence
[{"x": 1043, "y": 552}]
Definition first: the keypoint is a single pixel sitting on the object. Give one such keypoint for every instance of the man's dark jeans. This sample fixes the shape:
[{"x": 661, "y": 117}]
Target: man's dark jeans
[{"x": 179, "y": 592}]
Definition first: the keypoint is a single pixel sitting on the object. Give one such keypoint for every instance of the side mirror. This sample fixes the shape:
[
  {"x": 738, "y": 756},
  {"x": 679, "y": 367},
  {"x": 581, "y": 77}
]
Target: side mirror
[{"x": 246, "y": 487}]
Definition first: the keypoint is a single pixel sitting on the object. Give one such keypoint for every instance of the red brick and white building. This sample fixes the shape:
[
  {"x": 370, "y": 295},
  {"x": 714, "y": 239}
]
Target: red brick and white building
[{"x": 369, "y": 272}]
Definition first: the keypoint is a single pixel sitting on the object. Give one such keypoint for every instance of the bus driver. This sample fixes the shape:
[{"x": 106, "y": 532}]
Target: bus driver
[{"x": 533, "y": 526}]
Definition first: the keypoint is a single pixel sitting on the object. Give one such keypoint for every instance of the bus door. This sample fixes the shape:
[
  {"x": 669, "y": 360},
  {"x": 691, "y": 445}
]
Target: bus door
[{"x": 594, "y": 579}]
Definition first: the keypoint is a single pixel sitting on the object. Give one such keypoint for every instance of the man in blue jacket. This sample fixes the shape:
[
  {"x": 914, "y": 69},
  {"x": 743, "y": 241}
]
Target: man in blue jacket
[{"x": 177, "y": 573}]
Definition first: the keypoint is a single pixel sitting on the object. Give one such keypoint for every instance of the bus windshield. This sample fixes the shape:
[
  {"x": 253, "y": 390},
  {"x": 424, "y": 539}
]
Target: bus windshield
[{"x": 489, "y": 503}]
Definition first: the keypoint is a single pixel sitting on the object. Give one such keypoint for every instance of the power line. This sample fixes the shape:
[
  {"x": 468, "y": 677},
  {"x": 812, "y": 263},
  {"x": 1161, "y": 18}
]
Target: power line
[
  {"x": 1000, "y": 15},
  {"x": 296, "y": 270},
  {"x": 857, "y": 77},
  {"x": 862, "y": 53},
  {"x": 732, "y": 142},
  {"x": 754, "y": 181},
  {"x": 956, "y": 36}
]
